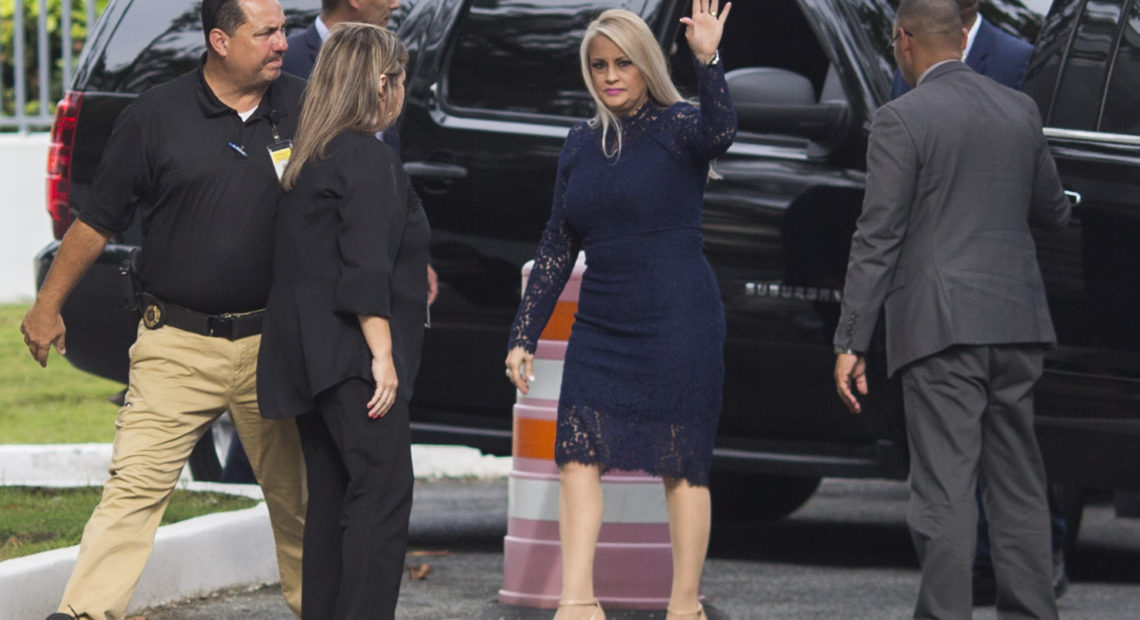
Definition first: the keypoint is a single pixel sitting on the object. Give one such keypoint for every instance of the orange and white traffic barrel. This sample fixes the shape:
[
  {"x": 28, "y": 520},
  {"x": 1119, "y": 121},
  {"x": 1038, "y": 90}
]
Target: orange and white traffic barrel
[{"x": 633, "y": 564}]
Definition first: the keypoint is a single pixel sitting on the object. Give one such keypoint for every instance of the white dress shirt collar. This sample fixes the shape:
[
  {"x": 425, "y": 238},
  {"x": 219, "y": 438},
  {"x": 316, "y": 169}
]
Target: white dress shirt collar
[
  {"x": 322, "y": 29},
  {"x": 971, "y": 35}
]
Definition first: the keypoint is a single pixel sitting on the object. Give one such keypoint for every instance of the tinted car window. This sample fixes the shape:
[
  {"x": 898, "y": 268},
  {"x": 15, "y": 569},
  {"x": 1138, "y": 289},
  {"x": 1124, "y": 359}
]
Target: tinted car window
[
  {"x": 157, "y": 41},
  {"x": 758, "y": 34},
  {"x": 1078, "y": 96},
  {"x": 521, "y": 56},
  {"x": 1123, "y": 98},
  {"x": 1056, "y": 31}
]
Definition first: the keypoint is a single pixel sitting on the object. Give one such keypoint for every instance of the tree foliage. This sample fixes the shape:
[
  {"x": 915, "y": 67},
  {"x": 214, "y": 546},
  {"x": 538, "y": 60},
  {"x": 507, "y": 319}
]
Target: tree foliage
[{"x": 30, "y": 37}]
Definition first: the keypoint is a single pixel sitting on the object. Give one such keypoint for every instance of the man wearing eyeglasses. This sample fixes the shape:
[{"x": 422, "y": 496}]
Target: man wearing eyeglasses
[
  {"x": 957, "y": 172},
  {"x": 998, "y": 55}
]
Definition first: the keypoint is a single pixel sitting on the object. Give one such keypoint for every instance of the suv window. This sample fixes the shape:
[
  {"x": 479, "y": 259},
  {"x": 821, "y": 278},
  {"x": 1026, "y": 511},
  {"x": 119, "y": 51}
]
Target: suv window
[
  {"x": 505, "y": 52},
  {"x": 1082, "y": 80},
  {"x": 164, "y": 41},
  {"x": 1085, "y": 73},
  {"x": 129, "y": 65},
  {"x": 1123, "y": 97},
  {"x": 759, "y": 34}
]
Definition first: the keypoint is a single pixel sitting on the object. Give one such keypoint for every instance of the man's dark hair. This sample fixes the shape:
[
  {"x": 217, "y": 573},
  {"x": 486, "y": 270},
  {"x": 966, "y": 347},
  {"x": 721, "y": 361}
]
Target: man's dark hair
[
  {"x": 328, "y": 6},
  {"x": 930, "y": 17},
  {"x": 225, "y": 15},
  {"x": 968, "y": 9}
]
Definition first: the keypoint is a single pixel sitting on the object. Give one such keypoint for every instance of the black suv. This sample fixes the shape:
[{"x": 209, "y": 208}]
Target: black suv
[{"x": 493, "y": 87}]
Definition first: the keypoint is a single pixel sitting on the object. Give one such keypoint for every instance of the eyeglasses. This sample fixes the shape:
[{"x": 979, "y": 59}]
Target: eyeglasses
[{"x": 899, "y": 31}]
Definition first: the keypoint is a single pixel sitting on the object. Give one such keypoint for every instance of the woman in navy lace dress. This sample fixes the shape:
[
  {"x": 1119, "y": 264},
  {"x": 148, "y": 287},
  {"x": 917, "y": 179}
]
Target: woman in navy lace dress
[{"x": 643, "y": 373}]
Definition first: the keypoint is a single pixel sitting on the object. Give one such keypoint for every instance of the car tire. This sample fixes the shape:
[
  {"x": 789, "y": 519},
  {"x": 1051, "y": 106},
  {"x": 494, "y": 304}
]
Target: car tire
[
  {"x": 205, "y": 466},
  {"x": 219, "y": 457},
  {"x": 1071, "y": 502},
  {"x": 758, "y": 497}
]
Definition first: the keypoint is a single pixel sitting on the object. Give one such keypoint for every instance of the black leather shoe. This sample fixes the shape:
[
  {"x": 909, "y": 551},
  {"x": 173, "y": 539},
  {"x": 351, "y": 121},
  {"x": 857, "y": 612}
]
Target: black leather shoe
[
  {"x": 60, "y": 616},
  {"x": 984, "y": 586},
  {"x": 1060, "y": 575}
]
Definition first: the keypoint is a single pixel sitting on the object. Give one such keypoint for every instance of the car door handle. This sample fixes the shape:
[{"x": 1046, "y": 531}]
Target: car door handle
[
  {"x": 1074, "y": 197},
  {"x": 434, "y": 170}
]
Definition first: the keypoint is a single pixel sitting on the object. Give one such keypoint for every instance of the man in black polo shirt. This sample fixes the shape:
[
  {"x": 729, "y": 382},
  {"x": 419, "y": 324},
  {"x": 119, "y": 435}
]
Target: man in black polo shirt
[{"x": 196, "y": 156}]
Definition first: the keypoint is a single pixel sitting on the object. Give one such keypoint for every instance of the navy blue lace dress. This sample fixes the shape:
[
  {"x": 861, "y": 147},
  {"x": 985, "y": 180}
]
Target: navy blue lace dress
[{"x": 644, "y": 368}]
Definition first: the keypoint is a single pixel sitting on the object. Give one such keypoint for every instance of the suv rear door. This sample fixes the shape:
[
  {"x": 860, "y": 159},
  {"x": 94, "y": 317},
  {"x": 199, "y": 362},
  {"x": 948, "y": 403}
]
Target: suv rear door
[
  {"x": 482, "y": 140},
  {"x": 1085, "y": 77},
  {"x": 777, "y": 230}
]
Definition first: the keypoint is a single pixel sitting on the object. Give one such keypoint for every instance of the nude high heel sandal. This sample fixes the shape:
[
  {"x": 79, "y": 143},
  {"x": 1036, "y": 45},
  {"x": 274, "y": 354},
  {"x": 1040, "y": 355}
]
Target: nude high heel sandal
[
  {"x": 698, "y": 614},
  {"x": 594, "y": 603}
]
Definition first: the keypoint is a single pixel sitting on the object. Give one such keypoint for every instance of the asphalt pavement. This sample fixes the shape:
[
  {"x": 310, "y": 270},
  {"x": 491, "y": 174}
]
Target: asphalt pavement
[{"x": 846, "y": 554}]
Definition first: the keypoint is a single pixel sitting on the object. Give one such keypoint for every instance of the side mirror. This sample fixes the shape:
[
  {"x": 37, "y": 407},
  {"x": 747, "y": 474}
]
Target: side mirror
[{"x": 777, "y": 101}]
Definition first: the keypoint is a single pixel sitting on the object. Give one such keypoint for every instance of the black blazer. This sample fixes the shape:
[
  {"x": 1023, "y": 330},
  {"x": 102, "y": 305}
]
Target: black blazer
[
  {"x": 349, "y": 242},
  {"x": 302, "y": 53}
]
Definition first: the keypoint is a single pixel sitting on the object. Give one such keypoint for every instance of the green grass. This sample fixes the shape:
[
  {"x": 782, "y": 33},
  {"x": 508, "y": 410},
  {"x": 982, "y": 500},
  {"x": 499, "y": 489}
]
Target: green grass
[
  {"x": 57, "y": 404},
  {"x": 60, "y": 404},
  {"x": 35, "y": 519}
]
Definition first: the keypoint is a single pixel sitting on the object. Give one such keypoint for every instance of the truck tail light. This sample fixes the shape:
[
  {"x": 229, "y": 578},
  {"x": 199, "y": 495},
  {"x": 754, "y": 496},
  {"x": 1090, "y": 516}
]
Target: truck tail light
[{"x": 59, "y": 162}]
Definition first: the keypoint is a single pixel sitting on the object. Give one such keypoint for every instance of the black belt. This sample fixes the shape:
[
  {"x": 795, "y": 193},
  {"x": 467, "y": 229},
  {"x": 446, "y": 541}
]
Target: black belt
[{"x": 157, "y": 313}]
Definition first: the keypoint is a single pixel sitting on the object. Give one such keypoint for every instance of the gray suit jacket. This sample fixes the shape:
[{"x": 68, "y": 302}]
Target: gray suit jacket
[{"x": 957, "y": 171}]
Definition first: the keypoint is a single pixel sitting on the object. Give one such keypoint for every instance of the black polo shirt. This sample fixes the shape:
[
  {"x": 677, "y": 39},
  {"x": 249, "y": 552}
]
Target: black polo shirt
[{"x": 206, "y": 187}]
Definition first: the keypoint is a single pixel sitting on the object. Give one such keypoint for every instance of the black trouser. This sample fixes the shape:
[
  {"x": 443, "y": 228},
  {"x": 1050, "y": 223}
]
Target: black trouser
[{"x": 360, "y": 499}]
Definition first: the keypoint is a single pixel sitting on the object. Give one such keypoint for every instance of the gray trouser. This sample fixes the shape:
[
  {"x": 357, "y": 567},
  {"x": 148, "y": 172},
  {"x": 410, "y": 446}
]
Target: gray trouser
[{"x": 969, "y": 417}]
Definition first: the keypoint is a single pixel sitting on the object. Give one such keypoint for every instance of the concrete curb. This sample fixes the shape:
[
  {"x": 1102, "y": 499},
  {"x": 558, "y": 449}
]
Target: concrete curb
[{"x": 237, "y": 547}]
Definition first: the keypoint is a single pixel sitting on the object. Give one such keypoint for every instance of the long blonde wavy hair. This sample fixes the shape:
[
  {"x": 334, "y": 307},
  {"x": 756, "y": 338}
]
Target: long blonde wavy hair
[
  {"x": 344, "y": 90},
  {"x": 632, "y": 36}
]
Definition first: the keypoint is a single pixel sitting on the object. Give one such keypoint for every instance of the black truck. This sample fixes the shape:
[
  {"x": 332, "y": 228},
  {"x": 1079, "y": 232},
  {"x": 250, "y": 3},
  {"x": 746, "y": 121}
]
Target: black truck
[{"x": 493, "y": 87}]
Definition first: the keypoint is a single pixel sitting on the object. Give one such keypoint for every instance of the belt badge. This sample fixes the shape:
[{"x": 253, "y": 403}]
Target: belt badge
[{"x": 152, "y": 316}]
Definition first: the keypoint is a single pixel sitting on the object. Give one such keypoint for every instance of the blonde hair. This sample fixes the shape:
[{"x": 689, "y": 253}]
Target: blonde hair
[
  {"x": 344, "y": 90},
  {"x": 632, "y": 36}
]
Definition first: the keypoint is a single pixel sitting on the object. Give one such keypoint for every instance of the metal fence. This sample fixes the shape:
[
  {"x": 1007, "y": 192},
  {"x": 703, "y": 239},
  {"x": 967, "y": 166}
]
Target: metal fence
[{"x": 23, "y": 41}]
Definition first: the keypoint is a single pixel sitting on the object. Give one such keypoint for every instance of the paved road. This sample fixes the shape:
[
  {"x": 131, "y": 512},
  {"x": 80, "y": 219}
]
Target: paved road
[{"x": 846, "y": 554}]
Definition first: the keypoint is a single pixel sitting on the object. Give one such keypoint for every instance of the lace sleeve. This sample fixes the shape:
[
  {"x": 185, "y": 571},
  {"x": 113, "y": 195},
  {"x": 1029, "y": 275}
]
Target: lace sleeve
[
  {"x": 715, "y": 128},
  {"x": 553, "y": 262}
]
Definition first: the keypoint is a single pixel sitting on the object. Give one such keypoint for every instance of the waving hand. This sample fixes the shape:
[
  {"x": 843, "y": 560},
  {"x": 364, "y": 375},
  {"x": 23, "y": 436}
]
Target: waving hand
[{"x": 704, "y": 29}]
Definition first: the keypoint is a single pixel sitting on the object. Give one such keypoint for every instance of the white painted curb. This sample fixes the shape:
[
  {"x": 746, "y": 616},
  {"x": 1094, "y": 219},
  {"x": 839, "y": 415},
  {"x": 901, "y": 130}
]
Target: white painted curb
[{"x": 190, "y": 558}]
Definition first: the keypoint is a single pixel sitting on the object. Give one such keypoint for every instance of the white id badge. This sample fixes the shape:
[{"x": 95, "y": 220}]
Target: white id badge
[{"x": 279, "y": 153}]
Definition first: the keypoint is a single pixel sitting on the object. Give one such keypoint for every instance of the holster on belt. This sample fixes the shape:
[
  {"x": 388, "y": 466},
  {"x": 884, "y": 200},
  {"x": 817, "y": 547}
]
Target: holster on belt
[
  {"x": 231, "y": 326},
  {"x": 132, "y": 288}
]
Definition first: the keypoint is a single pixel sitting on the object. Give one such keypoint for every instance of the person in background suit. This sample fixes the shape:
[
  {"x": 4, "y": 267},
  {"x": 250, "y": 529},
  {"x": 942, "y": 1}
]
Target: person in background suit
[
  {"x": 344, "y": 324},
  {"x": 990, "y": 51},
  {"x": 302, "y": 53},
  {"x": 957, "y": 171}
]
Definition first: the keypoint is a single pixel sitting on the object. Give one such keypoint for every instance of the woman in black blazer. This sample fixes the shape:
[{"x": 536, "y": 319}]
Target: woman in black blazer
[{"x": 344, "y": 324}]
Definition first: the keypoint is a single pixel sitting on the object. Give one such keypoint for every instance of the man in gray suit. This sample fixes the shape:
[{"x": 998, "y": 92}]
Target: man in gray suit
[{"x": 957, "y": 171}]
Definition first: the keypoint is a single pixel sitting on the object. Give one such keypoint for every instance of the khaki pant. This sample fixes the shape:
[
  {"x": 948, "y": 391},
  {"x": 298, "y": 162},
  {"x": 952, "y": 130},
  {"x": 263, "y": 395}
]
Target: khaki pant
[{"x": 180, "y": 383}]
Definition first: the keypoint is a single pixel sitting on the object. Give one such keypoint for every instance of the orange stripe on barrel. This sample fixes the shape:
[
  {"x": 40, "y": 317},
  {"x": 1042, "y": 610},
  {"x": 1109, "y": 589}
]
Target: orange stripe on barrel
[
  {"x": 558, "y": 327},
  {"x": 534, "y": 439}
]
